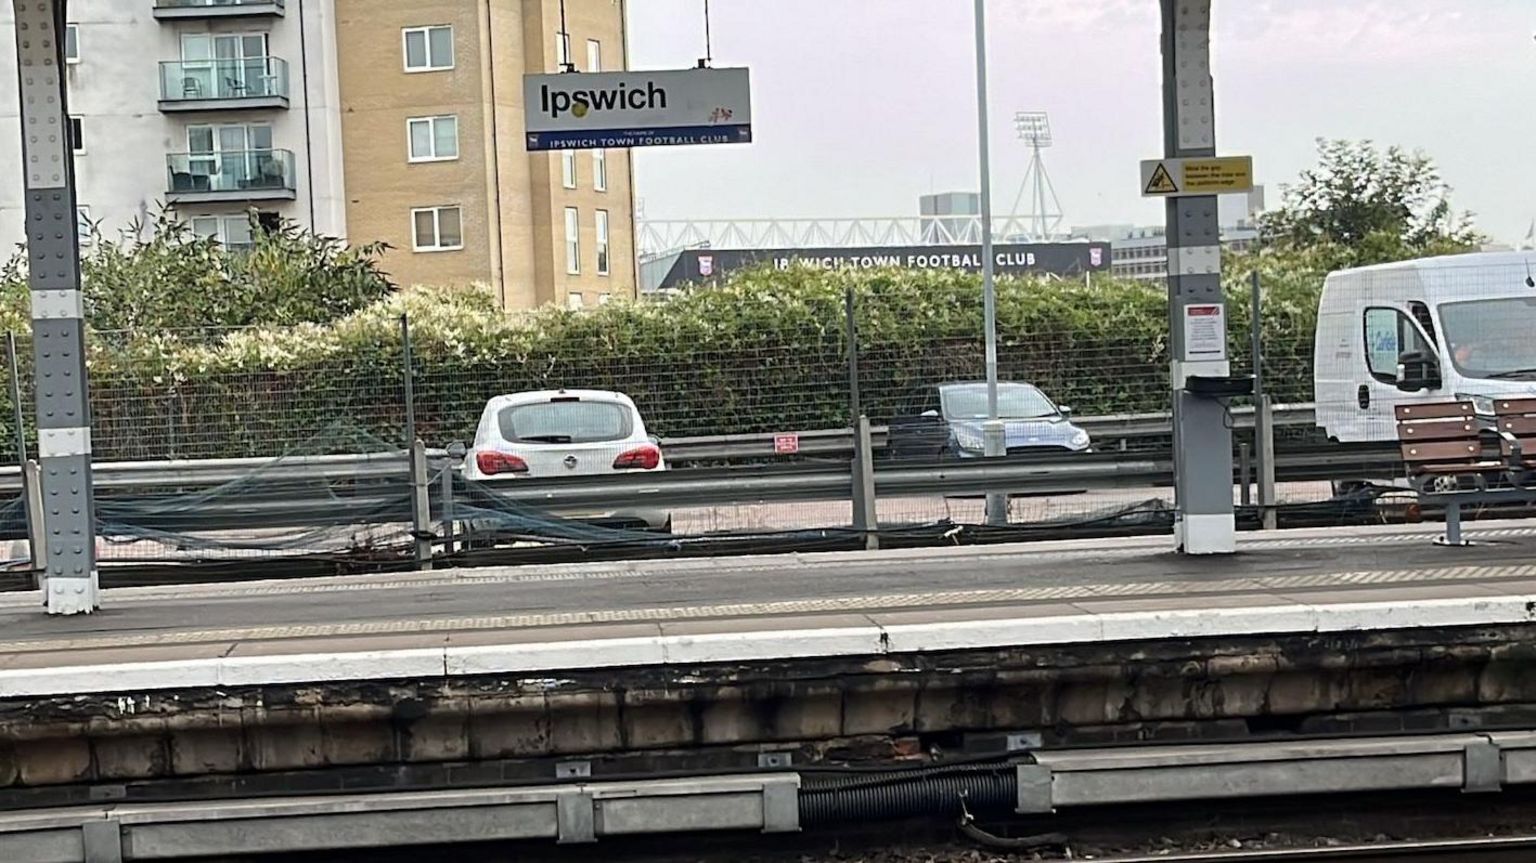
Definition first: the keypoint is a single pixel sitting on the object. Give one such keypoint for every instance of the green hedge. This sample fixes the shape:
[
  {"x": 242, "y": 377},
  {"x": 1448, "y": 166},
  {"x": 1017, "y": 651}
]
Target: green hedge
[{"x": 763, "y": 352}]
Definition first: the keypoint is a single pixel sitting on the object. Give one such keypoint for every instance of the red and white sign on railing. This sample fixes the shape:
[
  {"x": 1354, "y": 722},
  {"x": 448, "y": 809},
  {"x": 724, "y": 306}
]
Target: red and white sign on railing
[{"x": 786, "y": 444}]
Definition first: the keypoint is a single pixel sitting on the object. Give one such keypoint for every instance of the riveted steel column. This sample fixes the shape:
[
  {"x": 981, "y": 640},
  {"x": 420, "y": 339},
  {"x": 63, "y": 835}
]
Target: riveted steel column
[
  {"x": 58, "y": 324},
  {"x": 1202, "y": 440}
]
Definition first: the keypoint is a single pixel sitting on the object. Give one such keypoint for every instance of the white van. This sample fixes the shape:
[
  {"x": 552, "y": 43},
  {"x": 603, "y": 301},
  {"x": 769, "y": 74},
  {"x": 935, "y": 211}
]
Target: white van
[{"x": 1460, "y": 326}]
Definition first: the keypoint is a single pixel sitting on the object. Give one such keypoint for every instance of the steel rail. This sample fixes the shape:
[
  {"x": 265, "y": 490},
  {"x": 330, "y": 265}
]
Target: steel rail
[
  {"x": 186, "y": 473},
  {"x": 319, "y": 496}
]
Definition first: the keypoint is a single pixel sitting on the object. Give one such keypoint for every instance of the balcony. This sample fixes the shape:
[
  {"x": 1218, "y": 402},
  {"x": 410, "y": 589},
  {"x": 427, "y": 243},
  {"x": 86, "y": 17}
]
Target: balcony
[
  {"x": 230, "y": 176},
  {"x": 181, "y": 10},
  {"x": 223, "y": 85}
]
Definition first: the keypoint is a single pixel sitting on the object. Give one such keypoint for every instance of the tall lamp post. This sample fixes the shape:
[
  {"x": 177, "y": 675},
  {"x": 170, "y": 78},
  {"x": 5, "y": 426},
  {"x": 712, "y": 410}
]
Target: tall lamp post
[{"x": 992, "y": 436}]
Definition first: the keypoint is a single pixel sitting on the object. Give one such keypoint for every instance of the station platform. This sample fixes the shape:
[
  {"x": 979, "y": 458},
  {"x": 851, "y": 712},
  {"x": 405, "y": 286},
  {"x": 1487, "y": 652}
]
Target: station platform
[{"x": 549, "y": 619}]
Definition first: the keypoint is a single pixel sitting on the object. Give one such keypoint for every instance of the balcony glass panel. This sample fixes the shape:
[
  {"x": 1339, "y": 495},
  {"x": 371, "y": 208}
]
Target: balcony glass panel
[
  {"x": 231, "y": 171},
  {"x": 228, "y": 80}
]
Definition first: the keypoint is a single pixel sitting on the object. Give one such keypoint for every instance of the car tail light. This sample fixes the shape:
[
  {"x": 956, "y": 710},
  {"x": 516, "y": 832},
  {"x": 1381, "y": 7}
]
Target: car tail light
[
  {"x": 639, "y": 458},
  {"x": 492, "y": 463}
]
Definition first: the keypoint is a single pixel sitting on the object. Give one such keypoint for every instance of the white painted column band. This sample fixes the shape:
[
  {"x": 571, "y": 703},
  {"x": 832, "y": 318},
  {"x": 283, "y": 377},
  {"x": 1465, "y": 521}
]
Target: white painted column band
[
  {"x": 56, "y": 443},
  {"x": 1194, "y": 260},
  {"x": 57, "y": 304}
]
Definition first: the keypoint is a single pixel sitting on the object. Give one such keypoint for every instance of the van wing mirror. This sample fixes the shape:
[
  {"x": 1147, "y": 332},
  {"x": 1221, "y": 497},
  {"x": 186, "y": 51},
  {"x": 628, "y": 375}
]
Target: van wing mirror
[{"x": 1417, "y": 371}]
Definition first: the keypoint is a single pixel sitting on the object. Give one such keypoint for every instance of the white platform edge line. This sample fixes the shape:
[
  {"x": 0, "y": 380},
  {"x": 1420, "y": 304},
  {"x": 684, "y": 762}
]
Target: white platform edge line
[{"x": 1274, "y": 618}]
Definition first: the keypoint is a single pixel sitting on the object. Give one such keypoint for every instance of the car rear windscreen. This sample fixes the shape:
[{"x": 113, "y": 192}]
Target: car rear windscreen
[{"x": 566, "y": 422}]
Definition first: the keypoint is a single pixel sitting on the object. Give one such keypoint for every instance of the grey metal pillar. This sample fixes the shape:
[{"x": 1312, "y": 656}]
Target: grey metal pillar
[
  {"x": 865, "y": 515},
  {"x": 994, "y": 439},
  {"x": 58, "y": 325},
  {"x": 1202, "y": 441}
]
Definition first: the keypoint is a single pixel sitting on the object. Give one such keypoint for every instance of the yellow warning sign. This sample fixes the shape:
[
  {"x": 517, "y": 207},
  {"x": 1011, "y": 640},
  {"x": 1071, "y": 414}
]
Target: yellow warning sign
[
  {"x": 1218, "y": 176},
  {"x": 1161, "y": 183},
  {"x": 1221, "y": 175}
]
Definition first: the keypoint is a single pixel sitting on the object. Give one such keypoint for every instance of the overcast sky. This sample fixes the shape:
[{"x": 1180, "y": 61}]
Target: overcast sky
[{"x": 862, "y": 105}]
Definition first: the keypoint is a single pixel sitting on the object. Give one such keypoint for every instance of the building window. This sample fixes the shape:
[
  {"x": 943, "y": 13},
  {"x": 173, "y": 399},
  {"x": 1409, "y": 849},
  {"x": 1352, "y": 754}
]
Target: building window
[
  {"x": 84, "y": 230},
  {"x": 602, "y": 242},
  {"x": 562, "y": 50},
  {"x": 232, "y": 138},
  {"x": 573, "y": 300},
  {"x": 433, "y": 139},
  {"x": 600, "y": 169},
  {"x": 437, "y": 229},
  {"x": 224, "y": 66},
  {"x": 232, "y": 232},
  {"x": 568, "y": 168},
  {"x": 77, "y": 135},
  {"x": 594, "y": 55},
  {"x": 228, "y": 157},
  {"x": 572, "y": 241},
  {"x": 428, "y": 49},
  {"x": 603, "y": 299},
  {"x": 71, "y": 43}
]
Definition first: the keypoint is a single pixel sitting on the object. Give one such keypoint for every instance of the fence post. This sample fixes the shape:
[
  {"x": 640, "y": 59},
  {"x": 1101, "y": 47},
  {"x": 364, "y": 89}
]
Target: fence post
[
  {"x": 865, "y": 518},
  {"x": 854, "y": 408},
  {"x": 33, "y": 517},
  {"x": 410, "y": 386},
  {"x": 31, "y": 472},
  {"x": 37, "y": 538},
  {"x": 15, "y": 387},
  {"x": 447, "y": 490},
  {"x": 1263, "y": 415},
  {"x": 1244, "y": 473},
  {"x": 421, "y": 506}
]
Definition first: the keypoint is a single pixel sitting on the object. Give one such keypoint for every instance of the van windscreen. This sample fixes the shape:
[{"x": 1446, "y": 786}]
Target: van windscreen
[{"x": 1492, "y": 338}]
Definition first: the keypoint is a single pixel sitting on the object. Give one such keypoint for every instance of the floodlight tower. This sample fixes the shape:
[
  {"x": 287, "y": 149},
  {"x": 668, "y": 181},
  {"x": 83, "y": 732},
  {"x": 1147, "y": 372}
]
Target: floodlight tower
[{"x": 1044, "y": 213}]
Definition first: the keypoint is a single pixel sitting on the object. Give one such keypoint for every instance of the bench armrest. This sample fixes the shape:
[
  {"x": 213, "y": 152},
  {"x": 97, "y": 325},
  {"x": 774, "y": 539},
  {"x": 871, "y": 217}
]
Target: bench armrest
[{"x": 1516, "y": 458}]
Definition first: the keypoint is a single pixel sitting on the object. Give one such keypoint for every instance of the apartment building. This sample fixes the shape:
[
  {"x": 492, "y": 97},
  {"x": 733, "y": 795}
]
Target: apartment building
[
  {"x": 212, "y": 108},
  {"x": 369, "y": 120},
  {"x": 436, "y": 164}
]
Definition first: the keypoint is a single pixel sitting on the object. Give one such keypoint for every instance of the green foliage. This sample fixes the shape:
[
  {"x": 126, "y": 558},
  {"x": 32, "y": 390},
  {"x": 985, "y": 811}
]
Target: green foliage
[
  {"x": 1361, "y": 206},
  {"x": 764, "y": 351},
  {"x": 162, "y": 277}
]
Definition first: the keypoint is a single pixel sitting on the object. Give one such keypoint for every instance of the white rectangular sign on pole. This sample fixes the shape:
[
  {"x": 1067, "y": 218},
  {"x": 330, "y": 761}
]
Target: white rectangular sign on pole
[
  {"x": 588, "y": 110},
  {"x": 1205, "y": 332}
]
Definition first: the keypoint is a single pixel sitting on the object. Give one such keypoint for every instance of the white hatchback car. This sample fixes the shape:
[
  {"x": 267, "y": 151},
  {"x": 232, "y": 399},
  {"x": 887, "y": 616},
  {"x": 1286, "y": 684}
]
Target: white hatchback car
[{"x": 567, "y": 433}]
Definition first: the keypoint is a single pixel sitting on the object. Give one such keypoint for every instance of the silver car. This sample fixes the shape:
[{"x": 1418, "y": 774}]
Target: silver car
[{"x": 555, "y": 433}]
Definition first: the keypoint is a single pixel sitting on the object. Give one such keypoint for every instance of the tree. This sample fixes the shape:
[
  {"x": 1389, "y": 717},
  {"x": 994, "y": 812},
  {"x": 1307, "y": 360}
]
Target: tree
[
  {"x": 1361, "y": 205},
  {"x": 162, "y": 278}
]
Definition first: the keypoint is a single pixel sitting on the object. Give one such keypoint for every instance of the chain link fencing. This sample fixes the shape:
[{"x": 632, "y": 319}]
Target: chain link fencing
[{"x": 179, "y": 397}]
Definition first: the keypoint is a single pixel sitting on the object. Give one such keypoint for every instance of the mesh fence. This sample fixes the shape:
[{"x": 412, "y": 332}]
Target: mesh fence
[
  {"x": 689, "y": 391},
  {"x": 1470, "y": 328},
  {"x": 144, "y": 408}
]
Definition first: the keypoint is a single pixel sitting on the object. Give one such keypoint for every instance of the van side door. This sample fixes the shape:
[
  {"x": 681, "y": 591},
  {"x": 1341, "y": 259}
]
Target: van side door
[{"x": 1388, "y": 333}]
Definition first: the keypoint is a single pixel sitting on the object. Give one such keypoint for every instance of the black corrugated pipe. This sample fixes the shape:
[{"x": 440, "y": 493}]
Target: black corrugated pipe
[{"x": 983, "y": 789}]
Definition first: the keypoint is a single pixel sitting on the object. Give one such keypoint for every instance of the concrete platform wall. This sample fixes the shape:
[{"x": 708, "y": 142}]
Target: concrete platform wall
[{"x": 466, "y": 730}]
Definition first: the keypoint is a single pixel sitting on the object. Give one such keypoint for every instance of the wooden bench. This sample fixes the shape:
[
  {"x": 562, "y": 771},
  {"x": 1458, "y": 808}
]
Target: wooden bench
[{"x": 1442, "y": 448}]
